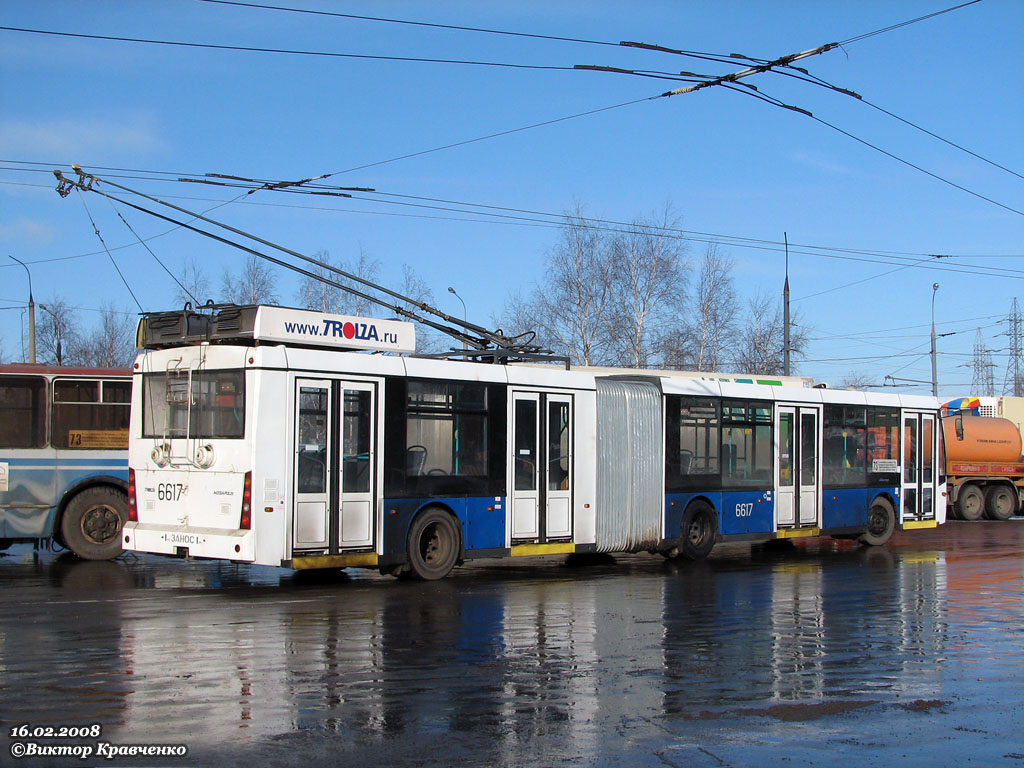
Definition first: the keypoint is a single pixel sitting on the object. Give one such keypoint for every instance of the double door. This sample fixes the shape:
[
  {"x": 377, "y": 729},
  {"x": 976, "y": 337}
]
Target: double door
[
  {"x": 919, "y": 486},
  {"x": 798, "y": 466},
  {"x": 335, "y": 461},
  {"x": 542, "y": 466}
]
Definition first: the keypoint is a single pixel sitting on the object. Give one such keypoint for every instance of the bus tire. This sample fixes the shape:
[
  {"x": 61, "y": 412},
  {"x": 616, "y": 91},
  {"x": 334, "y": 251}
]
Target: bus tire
[
  {"x": 435, "y": 544},
  {"x": 970, "y": 502},
  {"x": 698, "y": 532},
  {"x": 1000, "y": 502},
  {"x": 92, "y": 522},
  {"x": 881, "y": 523}
]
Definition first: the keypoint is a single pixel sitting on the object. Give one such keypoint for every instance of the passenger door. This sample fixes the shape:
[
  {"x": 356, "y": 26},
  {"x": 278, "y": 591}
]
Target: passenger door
[
  {"x": 335, "y": 449},
  {"x": 542, "y": 466},
  {"x": 798, "y": 466},
  {"x": 920, "y": 476}
]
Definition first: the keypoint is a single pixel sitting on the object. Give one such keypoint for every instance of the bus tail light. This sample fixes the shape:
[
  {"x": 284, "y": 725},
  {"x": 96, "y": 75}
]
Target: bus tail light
[
  {"x": 246, "y": 522},
  {"x": 133, "y": 504}
]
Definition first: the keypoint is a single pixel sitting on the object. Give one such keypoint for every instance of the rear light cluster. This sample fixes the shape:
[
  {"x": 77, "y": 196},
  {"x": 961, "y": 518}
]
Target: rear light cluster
[
  {"x": 246, "y": 522},
  {"x": 133, "y": 504}
]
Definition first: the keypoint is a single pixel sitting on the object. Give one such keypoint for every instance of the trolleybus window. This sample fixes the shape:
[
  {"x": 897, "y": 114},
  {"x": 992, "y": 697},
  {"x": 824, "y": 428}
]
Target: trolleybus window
[
  {"x": 212, "y": 405},
  {"x": 693, "y": 440},
  {"x": 454, "y": 437},
  {"x": 845, "y": 445},
  {"x": 883, "y": 439},
  {"x": 746, "y": 443},
  {"x": 90, "y": 414},
  {"x": 23, "y": 416}
]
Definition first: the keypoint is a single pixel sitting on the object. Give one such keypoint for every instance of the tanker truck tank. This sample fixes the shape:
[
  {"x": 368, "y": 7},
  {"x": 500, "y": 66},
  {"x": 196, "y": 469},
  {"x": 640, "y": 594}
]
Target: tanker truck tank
[{"x": 981, "y": 439}]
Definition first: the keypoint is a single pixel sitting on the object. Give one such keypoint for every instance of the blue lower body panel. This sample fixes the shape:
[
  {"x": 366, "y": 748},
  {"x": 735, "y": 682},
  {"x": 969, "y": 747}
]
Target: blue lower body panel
[
  {"x": 848, "y": 507},
  {"x": 482, "y": 520},
  {"x": 739, "y": 512}
]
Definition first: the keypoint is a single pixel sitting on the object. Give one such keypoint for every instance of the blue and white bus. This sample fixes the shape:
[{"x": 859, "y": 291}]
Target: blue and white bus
[
  {"x": 64, "y": 457},
  {"x": 256, "y": 440}
]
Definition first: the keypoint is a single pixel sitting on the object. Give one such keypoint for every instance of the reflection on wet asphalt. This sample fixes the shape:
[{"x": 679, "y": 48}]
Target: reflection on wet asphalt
[{"x": 907, "y": 655}]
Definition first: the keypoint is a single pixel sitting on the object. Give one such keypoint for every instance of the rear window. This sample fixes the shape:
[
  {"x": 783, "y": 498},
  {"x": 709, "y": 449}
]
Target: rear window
[{"x": 196, "y": 404}]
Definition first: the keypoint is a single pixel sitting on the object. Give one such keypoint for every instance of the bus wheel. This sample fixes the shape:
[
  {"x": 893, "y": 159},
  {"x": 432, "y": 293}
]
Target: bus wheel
[
  {"x": 92, "y": 522},
  {"x": 435, "y": 543},
  {"x": 698, "y": 531},
  {"x": 881, "y": 524},
  {"x": 970, "y": 502},
  {"x": 1000, "y": 502}
]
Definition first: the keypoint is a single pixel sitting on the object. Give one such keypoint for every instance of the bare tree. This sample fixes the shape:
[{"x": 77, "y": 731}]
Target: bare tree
[
  {"x": 318, "y": 295},
  {"x": 571, "y": 310},
  {"x": 255, "y": 285},
  {"x": 193, "y": 285},
  {"x": 761, "y": 339},
  {"x": 855, "y": 380},
  {"x": 56, "y": 332},
  {"x": 111, "y": 344},
  {"x": 647, "y": 293},
  {"x": 413, "y": 286},
  {"x": 703, "y": 344}
]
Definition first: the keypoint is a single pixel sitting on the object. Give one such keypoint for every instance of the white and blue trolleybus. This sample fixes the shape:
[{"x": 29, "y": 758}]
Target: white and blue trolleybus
[{"x": 291, "y": 438}]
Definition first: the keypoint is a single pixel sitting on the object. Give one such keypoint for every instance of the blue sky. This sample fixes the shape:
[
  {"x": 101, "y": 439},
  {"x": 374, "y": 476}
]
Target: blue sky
[{"x": 730, "y": 165}]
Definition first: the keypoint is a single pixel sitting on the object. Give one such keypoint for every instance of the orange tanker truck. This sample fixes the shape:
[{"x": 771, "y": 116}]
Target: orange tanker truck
[{"x": 984, "y": 466}]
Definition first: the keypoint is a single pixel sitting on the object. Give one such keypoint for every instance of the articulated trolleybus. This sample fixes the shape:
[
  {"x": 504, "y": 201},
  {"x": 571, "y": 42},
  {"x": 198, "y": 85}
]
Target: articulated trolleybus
[{"x": 283, "y": 437}]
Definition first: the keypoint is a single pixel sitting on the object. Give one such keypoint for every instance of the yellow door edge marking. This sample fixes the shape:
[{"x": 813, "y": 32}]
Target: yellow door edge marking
[
  {"x": 359, "y": 560},
  {"x": 912, "y": 525},
  {"x": 797, "y": 533},
  {"x": 561, "y": 548}
]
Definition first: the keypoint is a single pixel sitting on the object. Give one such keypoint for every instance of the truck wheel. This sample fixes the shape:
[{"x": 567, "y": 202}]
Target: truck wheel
[
  {"x": 698, "y": 531},
  {"x": 970, "y": 503},
  {"x": 92, "y": 522},
  {"x": 881, "y": 524},
  {"x": 1000, "y": 502}
]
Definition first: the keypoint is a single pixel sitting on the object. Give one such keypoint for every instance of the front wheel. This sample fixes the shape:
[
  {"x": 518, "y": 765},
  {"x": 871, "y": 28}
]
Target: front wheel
[
  {"x": 434, "y": 546},
  {"x": 881, "y": 524},
  {"x": 698, "y": 531},
  {"x": 92, "y": 522}
]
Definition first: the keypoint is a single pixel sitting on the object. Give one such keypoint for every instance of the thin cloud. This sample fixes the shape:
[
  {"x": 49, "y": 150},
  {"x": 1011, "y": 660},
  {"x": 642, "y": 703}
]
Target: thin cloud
[{"x": 78, "y": 138}]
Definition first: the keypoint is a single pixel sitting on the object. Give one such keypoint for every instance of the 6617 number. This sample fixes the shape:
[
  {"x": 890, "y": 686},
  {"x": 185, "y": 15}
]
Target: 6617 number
[{"x": 170, "y": 491}]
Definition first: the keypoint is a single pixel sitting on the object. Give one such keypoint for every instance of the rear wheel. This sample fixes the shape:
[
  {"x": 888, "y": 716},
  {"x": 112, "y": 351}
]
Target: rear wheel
[
  {"x": 881, "y": 524},
  {"x": 92, "y": 522},
  {"x": 435, "y": 544},
  {"x": 1000, "y": 502},
  {"x": 698, "y": 531},
  {"x": 970, "y": 502}
]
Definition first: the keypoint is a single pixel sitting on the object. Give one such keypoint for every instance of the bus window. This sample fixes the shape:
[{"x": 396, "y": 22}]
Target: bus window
[
  {"x": 90, "y": 414},
  {"x": 23, "y": 412},
  {"x": 746, "y": 444}
]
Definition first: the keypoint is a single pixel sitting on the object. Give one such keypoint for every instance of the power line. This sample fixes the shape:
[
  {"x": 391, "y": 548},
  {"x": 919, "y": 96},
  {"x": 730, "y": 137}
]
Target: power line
[
  {"x": 553, "y": 220},
  {"x": 890, "y": 28},
  {"x": 293, "y": 52}
]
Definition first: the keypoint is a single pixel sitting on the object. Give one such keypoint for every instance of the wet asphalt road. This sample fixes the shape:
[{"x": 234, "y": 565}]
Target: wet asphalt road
[{"x": 819, "y": 654}]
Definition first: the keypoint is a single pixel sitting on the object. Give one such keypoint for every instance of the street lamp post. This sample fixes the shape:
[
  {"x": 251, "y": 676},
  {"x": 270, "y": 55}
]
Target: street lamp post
[
  {"x": 31, "y": 315},
  {"x": 464, "y": 310},
  {"x": 935, "y": 375},
  {"x": 59, "y": 353}
]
